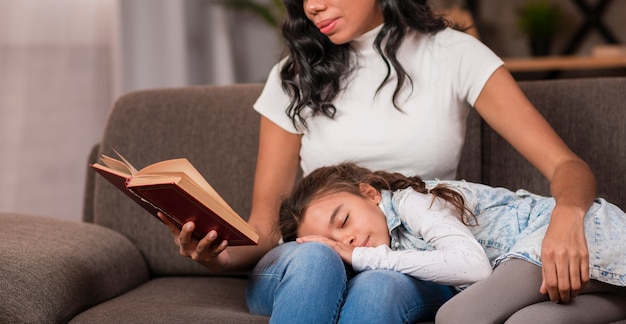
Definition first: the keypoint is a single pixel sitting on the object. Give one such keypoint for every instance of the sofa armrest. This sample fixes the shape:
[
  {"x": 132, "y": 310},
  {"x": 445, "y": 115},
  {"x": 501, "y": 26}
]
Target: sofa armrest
[{"x": 53, "y": 269}]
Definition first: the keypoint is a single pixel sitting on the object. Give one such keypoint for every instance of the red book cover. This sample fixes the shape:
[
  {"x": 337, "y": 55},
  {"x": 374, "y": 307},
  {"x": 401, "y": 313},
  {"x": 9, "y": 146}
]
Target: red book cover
[{"x": 174, "y": 200}]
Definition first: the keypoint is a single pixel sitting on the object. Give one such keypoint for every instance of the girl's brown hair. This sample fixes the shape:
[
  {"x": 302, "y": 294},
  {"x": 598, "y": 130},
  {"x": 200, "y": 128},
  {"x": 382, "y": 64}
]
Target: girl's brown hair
[{"x": 346, "y": 178}]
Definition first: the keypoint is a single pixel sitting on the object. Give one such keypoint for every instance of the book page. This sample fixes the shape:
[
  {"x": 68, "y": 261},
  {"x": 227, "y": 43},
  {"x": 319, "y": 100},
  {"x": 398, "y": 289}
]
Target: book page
[
  {"x": 183, "y": 165},
  {"x": 126, "y": 163},
  {"x": 182, "y": 201},
  {"x": 145, "y": 183},
  {"x": 221, "y": 209},
  {"x": 112, "y": 166},
  {"x": 120, "y": 166}
]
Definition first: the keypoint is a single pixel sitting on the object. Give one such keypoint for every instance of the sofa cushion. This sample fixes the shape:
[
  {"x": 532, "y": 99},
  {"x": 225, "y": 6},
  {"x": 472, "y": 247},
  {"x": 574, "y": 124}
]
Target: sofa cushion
[
  {"x": 52, "y": 269},
  {"x": 177, "y": 299}
]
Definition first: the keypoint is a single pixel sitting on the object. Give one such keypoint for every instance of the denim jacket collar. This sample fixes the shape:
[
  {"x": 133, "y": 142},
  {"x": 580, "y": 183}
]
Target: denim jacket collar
[{"x": 401, "y": 237}]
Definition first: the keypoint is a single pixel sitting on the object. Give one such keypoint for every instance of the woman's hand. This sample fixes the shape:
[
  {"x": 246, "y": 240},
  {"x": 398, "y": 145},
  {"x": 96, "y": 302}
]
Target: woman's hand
[
  {"x": 564, "y": 255},
  {"x": 207, "y": 251},
  {"x": 344, "y": 250}
]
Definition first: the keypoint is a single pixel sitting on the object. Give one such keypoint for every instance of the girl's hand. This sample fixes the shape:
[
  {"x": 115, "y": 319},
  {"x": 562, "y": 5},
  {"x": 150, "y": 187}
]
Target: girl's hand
[
  {"x": 344, "y": 250},
  {"x": 564, "y": 255},
  {"x": 207, "y": 251}
]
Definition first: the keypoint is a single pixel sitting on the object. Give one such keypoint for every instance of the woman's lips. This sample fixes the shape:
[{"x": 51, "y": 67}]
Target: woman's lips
[{"x": 326, "y": 26}]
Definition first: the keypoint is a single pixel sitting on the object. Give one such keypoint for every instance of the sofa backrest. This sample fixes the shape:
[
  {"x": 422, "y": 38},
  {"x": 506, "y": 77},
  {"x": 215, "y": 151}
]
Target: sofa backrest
[
  {"x": 590, "y": 116},
  {"x": 214, "y": 127},
  {"x": 217, "y": 130}
]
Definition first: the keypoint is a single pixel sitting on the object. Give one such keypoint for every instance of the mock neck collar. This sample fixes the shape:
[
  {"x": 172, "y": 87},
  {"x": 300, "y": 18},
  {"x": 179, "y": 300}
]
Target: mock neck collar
[{"x": 366, "y": 41}]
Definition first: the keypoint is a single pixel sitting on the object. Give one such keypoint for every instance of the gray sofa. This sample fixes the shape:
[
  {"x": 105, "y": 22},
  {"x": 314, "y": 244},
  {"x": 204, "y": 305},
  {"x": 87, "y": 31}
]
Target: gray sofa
[{"x": 120, "y": 265}]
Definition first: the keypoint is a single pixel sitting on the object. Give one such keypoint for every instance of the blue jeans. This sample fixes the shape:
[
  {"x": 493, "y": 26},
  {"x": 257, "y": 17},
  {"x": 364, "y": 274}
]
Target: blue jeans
[{"x": 309, "y": 283}]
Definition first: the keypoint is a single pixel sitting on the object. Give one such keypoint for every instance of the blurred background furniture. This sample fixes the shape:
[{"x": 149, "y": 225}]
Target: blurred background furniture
[
  {"x": 605, "y": 60},
  {"x": 593, "y": 21}
]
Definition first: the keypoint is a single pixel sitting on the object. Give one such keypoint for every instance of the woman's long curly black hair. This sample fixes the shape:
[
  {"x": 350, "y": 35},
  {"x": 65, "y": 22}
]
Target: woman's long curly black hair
[{"x": 315, "y": 68}]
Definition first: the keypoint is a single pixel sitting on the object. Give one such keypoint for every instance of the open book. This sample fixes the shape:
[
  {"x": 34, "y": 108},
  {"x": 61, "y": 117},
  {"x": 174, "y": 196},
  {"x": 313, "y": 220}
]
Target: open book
[{"x": 177, "y": 189}]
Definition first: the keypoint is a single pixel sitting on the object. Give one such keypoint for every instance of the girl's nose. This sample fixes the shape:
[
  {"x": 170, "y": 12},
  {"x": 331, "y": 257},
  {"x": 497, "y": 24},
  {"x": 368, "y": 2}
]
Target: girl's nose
[{"x": 349, "y": 240}]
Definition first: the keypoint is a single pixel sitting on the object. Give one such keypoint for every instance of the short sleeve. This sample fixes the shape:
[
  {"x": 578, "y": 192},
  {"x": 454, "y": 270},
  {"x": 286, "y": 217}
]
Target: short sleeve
[
  {"x": 471, "y": 62},
  {"x": 273, "y": 102}
]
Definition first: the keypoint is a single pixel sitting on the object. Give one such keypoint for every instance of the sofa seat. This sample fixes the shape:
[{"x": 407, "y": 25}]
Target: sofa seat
[{"x": 200, "y": 299}]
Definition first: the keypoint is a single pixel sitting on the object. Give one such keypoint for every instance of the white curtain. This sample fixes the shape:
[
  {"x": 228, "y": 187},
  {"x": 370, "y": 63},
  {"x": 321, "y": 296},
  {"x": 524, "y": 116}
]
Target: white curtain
[
  {"x": 63, "y": 63},
  {"x": 55, "y": 90},
  {"x": 169, "y": 43}
]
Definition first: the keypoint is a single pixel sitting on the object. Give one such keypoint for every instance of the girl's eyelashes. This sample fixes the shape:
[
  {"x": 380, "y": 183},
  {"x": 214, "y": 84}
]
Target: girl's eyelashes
[{"x": 345, "y": 220}]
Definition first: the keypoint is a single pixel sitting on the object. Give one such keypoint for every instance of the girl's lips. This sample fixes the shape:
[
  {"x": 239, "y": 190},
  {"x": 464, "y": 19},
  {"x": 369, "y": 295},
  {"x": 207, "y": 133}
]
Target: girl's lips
[{"x": 326, "y": 26}]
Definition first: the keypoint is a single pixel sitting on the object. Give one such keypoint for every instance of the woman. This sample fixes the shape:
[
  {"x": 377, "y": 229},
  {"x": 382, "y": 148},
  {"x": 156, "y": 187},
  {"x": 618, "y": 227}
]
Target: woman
[{"x": 385, "y": 84}]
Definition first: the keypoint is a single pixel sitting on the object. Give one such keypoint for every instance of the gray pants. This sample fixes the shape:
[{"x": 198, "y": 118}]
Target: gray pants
[{"x": 511, "y": 295}]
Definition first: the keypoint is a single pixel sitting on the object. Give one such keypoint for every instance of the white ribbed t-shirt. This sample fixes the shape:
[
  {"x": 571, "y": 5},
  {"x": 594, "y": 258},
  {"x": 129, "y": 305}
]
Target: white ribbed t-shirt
[{"x": 425, "y": 138}]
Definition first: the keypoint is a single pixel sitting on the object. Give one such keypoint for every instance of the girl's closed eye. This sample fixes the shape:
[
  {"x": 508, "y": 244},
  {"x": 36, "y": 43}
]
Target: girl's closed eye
[{"x": 345, "y": 221}]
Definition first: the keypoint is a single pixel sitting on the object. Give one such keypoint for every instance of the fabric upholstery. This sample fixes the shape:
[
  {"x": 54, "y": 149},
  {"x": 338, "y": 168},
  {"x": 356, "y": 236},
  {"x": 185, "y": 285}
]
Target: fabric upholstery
[
  {"x": 470, "y": 162},
  {"x": 90, "y": 179},
  {"x": 51, "y": 269},
  {"x": 590, "y": 116},
  {"x": 177, "y": 300}
]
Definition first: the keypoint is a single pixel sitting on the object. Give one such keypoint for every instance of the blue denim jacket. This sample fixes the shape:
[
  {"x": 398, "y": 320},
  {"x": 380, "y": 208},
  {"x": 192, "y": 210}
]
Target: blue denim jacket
[{"x": 513, "y": 224}]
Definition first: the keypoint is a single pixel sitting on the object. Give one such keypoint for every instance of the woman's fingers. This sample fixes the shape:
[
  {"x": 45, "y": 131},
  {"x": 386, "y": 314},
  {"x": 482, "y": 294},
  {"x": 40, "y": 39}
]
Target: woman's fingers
[
  {"x": 185, "y": 243},
  {"x": 564, "y": 277},
  {"x": 207, "y": 251},
  {"x": 171, "y": 225},
  {"x": 207, "y": 248}
]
